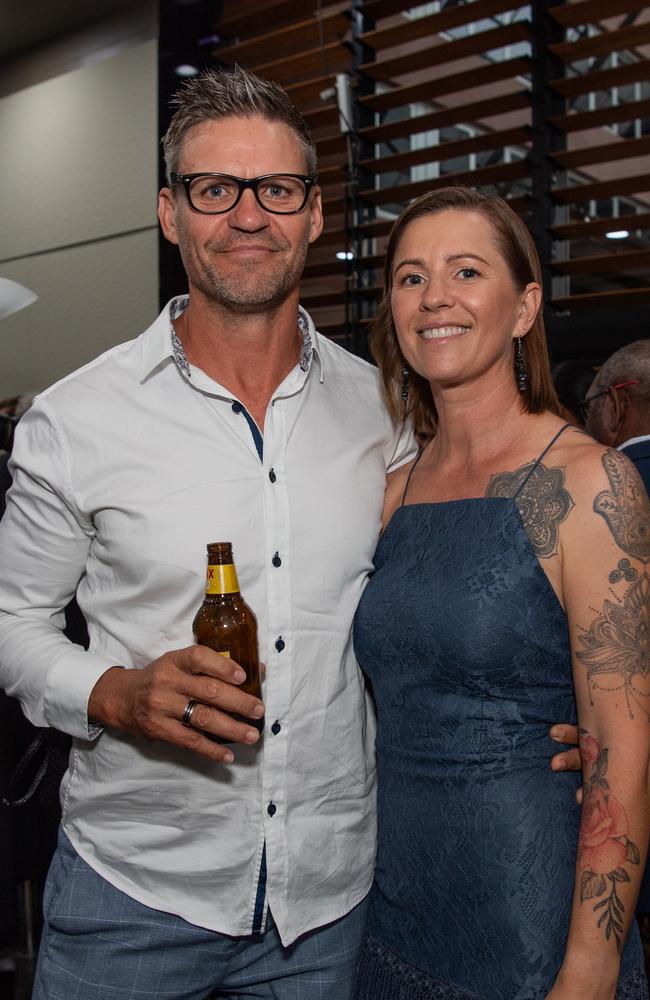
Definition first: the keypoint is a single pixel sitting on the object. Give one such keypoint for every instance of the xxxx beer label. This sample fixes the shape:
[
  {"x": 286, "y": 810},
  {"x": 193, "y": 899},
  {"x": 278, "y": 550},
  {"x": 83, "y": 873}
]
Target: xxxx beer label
[{"x": 222, "y": 580}]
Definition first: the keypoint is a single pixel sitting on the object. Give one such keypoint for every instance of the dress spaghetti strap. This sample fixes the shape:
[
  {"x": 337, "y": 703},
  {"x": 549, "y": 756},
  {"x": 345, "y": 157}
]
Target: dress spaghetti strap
[
  {"x": 521, "y": 485},
  {"x": 408, "y": 478},
  {"x": 539, "y": 459}
]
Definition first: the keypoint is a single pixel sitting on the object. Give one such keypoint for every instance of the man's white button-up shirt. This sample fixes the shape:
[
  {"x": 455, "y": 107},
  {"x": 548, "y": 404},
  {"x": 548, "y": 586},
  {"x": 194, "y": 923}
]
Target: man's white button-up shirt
[{"x": 123, "y": 472}]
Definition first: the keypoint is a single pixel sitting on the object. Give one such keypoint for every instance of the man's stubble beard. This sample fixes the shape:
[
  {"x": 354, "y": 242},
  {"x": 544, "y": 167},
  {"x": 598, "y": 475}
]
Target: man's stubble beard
[{"x": 250, "y": 288}]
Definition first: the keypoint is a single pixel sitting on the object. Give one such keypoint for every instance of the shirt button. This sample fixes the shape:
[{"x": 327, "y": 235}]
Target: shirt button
[
  {"x": 279, "y": 644},
  {"x": 272, "y": 475},
  {"x": 276, "y": 560},
  {"x": 276, "y": 727},
  {"x": 236, "y": 407},
  {"x": 271, "y": 809}
]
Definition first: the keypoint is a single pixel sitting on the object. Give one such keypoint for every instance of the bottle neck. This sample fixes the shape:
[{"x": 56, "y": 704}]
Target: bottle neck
[{"x": 221, "y": 579}]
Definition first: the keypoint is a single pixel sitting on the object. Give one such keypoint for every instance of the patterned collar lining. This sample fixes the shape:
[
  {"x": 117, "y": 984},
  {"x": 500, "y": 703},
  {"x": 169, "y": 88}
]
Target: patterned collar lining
[{"x": 179, "y": 306}]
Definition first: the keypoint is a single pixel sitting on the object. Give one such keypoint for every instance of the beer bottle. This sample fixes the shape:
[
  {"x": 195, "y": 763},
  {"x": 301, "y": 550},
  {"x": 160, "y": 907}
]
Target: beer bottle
[{"x": 225, "y": 623}]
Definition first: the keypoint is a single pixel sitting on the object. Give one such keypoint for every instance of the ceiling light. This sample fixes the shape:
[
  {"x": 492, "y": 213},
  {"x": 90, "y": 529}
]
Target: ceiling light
[
  {"x": 345, "y": 255},
  {"x": 186, "y": 69},
  {"x": 14, "y": 297},
  {"x": 617, "y": 234}
]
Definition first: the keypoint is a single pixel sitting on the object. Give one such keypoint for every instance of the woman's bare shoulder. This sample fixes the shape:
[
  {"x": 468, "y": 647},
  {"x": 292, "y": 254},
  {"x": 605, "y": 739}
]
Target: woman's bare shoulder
[
  {"x": 610, "y": 499},
  {"x": 592, "y": 467}
]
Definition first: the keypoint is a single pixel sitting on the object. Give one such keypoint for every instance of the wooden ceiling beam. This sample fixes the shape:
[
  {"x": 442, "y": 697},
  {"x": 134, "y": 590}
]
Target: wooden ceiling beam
[
  {"x": 625, "y": 260},
  {"x": 598, "y": 227},
  {"x": 592, "y": 11},
  {"x": 414, "y": 28},
  {"x": 610, "y": 152},
  {"x": 601, "y": 116},
  {"x": 460, "y": 115},
  {"x": 448, "y": 150},
  {"x": 454, "y": 83},
  {"x": 446, "y": 52},
  {"x": 579, "y": 193}
]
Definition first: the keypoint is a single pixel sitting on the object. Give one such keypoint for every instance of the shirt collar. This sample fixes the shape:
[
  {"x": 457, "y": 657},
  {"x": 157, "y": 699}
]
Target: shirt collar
[
  {"x": 161, "y": 342},
  {"x": 634, "y": 440}
]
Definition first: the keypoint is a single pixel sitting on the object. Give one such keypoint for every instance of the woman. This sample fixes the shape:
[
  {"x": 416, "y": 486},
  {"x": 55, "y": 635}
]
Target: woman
[{"x": 511, "y": 588}]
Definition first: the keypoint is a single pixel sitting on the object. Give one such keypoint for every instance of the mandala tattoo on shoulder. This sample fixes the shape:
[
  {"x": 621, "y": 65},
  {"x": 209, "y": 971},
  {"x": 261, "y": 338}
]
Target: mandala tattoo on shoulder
[
  {"x": 542, "y": 499},
  {"x": 616, "y": 647}
]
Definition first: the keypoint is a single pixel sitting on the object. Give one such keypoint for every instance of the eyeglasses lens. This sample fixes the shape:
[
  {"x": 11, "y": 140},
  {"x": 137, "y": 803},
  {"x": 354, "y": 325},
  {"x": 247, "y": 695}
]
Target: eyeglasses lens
[{"x": 218, "y": 193}]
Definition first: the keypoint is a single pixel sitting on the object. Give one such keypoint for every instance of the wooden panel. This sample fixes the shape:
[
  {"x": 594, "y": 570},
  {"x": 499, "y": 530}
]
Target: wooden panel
[
  {"x": 310, "y": 90},
  {"x": 334, "y": 145},
  {"x": 412, "y": 29},
  {"x": 445, "y": 52},
  {"x": 376, "y": 9},
  {"x": 626, "y": 260},
  {"x": 594, "y": 301},
  {"x": 596, "y": 227},
  {"x": 291, "y": 39},
  {"x": 602, "y": 189},
  {"x": 449, "y": 150},
  {"x": 321, "y": 117},
  {"x": 623, "y": 149},
  {"x": 331, "y": 58},
  {"x": 603, "y": 44},
  {"x": 501, "y": 173},
  {"x": 337, "y": 173},
  {"x": 591, "y": 11},
  {"x": 452, "y": 84},
  {"x": 238, "y": 19},
  {"x": 602, "y": 79},
  {"x": 467, "y": 113},
  {"x": 601, "y": 116}
]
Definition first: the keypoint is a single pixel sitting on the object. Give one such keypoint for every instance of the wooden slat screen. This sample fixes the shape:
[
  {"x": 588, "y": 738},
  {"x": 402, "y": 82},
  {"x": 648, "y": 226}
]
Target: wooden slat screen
[
  {"x": 452, "y": 90},
  {"x": 602, "y": 188}
]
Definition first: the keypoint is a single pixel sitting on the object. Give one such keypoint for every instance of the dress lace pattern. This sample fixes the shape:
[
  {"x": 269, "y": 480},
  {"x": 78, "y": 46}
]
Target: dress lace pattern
[{"x": 467, "y": 650}]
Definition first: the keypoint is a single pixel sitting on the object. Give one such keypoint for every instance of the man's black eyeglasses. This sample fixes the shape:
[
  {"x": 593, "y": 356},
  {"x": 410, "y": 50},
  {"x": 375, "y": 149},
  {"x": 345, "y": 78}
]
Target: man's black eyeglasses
[
  {"x": 214, "y": 194},
  {"x": 584, "y": 405}
]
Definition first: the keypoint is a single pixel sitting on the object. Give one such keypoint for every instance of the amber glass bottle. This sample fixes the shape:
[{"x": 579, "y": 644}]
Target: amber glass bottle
[{"x": 225, "y": 623}]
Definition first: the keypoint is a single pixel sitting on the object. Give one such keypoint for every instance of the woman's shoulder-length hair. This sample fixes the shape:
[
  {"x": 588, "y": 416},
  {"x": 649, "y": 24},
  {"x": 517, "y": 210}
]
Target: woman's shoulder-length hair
[{"x": 517, "y": 248}]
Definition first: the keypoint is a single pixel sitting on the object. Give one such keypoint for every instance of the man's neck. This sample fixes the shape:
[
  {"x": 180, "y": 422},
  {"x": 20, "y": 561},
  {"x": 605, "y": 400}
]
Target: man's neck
[{"x": 248, "y": 354}]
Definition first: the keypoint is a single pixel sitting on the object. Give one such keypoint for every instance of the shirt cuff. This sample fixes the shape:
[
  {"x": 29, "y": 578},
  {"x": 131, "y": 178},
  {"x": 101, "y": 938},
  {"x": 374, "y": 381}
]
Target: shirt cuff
[{"x": 70, "y": 681}]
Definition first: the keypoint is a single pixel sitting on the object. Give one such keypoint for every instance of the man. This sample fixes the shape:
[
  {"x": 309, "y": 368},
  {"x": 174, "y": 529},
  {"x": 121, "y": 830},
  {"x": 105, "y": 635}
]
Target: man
[
  {"x": 187, "y": 865},
  {"x": 229, "y": 419},
  {"x": 618, "y": 405}
]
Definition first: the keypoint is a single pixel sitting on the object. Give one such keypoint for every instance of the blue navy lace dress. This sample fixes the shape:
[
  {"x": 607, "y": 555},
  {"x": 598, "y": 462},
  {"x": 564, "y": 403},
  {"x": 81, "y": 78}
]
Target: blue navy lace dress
[{"x": 466, "y": 648}]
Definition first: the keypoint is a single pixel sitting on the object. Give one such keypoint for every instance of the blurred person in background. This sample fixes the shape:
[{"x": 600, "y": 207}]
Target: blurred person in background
[
  {"x": 572, "y": 379},
  {"x": 617, "y": 405}
]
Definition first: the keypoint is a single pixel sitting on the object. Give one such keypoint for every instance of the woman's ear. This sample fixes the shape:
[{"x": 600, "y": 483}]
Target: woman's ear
[{"x": 530, "y": 305}]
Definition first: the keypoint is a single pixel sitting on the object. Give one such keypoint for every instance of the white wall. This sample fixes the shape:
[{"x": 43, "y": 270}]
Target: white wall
[{"x": 78, "y": 170}]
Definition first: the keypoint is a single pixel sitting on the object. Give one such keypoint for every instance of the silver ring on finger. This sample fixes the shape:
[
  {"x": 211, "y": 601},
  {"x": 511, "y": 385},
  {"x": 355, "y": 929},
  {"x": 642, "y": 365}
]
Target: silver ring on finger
[{"x": 189, "y": 710}]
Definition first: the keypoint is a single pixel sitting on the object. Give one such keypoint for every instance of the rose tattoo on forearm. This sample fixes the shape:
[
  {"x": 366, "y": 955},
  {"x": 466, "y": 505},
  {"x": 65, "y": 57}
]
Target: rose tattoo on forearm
[{"x": 604, "y": 846}]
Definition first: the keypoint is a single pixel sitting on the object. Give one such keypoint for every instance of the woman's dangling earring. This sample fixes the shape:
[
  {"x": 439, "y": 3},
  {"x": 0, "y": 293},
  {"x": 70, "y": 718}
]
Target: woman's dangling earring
[
  {"x": 520, "y": 368},
  {"x": 405, "y": 383}
]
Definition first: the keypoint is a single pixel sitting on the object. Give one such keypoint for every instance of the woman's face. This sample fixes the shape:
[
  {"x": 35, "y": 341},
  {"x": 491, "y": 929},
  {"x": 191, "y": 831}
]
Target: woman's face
[{"x": 454, "y": 304}]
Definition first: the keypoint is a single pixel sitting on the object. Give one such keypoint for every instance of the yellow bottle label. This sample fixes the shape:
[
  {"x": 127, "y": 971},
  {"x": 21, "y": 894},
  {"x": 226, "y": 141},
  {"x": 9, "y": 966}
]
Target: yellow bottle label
[{"x": 222, "y": 580}]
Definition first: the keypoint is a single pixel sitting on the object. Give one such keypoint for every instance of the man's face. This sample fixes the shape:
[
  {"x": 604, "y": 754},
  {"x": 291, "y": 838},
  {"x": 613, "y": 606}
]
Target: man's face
[{"x": 247, "y": 260}]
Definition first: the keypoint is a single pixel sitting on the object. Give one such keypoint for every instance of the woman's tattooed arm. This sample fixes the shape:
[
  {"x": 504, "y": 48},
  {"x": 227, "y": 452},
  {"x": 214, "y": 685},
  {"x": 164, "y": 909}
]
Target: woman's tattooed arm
[
  {"x": 616, "y": 646},
  {"x": 605, "y": 551}
]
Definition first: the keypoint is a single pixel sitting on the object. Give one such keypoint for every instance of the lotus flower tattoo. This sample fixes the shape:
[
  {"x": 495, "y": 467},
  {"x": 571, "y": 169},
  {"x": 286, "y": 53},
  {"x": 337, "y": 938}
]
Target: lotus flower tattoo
[{"x": 618, "y": 641}]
